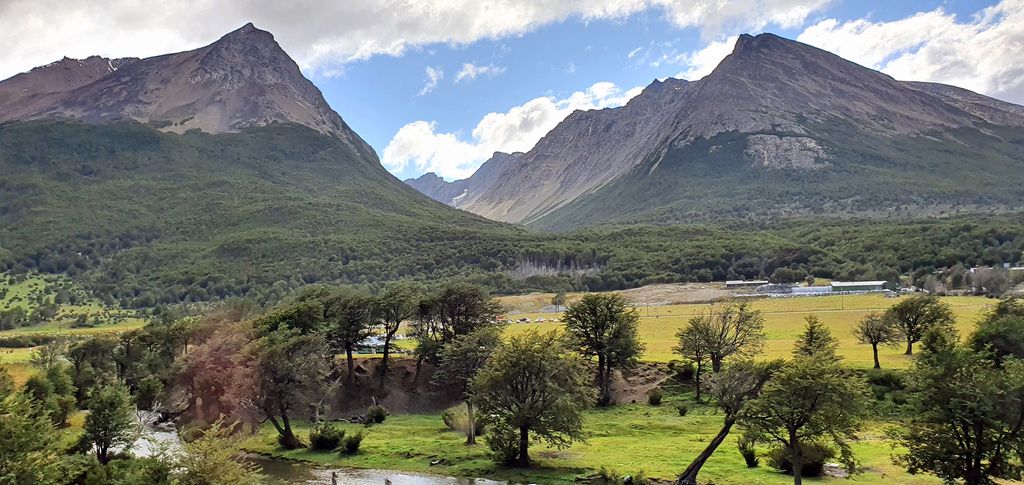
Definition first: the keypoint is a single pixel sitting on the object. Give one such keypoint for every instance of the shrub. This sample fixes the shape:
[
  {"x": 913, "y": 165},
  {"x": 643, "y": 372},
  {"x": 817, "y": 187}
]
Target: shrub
[
  {"x": 376, "y": 414},
  {"x": 890, "y": 379},
  {"x": 352, "y": 443},
  {"x": 504, "y": 444},
  {"x": 746, "y": 447},
  {"x": 325, "y": 437},
  {"x": 681, "y": 371},
  {"x": 654, "y": 397},
  {"x": 815, "y": 456},
  {"x": 682, "y": 409}
]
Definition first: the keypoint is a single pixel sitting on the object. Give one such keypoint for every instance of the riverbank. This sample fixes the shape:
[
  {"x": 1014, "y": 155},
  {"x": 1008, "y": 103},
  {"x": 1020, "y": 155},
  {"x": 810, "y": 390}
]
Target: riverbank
[{"x": 625, "y": 439}]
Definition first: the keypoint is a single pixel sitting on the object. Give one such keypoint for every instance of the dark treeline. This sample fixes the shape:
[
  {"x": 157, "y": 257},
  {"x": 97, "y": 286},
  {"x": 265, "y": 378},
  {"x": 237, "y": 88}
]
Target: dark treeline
[{"x": 596, "y": 259}]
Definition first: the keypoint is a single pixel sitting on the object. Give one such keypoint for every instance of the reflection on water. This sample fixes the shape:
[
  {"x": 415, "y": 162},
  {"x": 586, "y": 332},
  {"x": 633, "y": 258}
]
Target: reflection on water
[{"x": 301, "y": 473}]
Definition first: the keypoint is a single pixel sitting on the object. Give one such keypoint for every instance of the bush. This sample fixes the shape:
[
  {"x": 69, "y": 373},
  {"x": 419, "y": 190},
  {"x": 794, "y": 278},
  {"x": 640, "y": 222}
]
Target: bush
[
  {"x": 376, "y": 414},
  {"x": 890, "y": 379},
  {"x": 325, "y": 437},
  {"x": 682, "y": 409},
  {"x": 504, "y": 444},
  {"x": 746, "y": 447},
  {"x": 654, "y": 397},
  {"x": 815, "y": 456},
  {"x": 681, "y": 371},
  {"x": 352, "y": 443}
]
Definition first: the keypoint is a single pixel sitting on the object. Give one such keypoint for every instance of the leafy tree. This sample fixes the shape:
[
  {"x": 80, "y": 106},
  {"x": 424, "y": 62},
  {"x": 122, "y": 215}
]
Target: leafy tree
[
  {"x": 1001, "y": 331},
  {"x": 533, "y": 383},
  {"x": 914, "y": 315},
  {"x": 968, "y": 414},
  {"x": 92, "y": 364},
  {"x": 49, "y": 355},
  {"x": 693, "y": 347},
  {"x": 30, "y": 449},
  {"x": 461, "y": 360},
  {"x": 217, "y": 358},
  {"x": 457, "y": 309},
  {"x": 397, "y": 304},
  {"x": 728, "y": 330},
  {"x": 816, "y": 340},
  {"x": 350, "y": 320},
  {"x": 558, "y": 300},
  {"x": 213, "y": 459},
  {"x": 604, "y": 326},
  {"x": 111, "y": 421},
  {"x": 285, "y": 369},
  {"x": 876, "y": 329},
  {"x": 810, "y": 400},
  {"x": 732, "y": 389}
]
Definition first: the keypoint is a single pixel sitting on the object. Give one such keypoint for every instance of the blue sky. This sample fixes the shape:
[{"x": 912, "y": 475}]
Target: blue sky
[{"x": 531, "y": 62}]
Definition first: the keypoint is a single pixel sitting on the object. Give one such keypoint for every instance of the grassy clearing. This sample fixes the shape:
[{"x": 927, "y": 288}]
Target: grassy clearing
[
  {"x": 625, "y": 439},
  {"x": 784, "y": 319}
]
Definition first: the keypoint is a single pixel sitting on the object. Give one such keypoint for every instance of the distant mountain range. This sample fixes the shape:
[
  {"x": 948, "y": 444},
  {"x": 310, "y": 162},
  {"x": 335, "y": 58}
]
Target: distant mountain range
[{"x": 779, "y": 128}]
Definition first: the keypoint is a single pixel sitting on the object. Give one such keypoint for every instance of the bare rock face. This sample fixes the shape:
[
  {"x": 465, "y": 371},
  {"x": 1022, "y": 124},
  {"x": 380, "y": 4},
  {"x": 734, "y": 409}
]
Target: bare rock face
[
  {"x": 792, "y": 104},
  {"x": 796, "y": 152},
  {"x": 244, "y": 79}
]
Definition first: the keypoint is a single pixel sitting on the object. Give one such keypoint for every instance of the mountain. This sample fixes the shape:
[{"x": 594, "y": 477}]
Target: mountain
[
  {"x": 779, "y": 128},
  {"x": 244, "y": 79},
  {"x": 210, "y": 173},
  {"x": 456, "y": 193}
]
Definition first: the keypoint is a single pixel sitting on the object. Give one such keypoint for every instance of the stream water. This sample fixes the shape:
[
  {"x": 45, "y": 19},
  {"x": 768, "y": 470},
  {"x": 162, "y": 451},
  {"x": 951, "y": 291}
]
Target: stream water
[{"x": 157, "y": 438}]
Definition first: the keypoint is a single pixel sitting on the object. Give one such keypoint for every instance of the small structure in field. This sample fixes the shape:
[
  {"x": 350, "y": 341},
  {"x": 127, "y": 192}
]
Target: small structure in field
[
  {"x": 745, "y": 283},
  {"x": 848, "y": 286}
]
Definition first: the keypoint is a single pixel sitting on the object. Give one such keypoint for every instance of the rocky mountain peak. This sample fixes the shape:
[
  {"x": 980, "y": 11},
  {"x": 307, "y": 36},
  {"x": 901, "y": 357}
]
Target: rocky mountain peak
[{"x": 243, "y": 79}]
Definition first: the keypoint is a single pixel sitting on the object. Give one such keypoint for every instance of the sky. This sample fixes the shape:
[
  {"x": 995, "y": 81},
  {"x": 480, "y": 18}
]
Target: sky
[{"x": 439, "y": 85}]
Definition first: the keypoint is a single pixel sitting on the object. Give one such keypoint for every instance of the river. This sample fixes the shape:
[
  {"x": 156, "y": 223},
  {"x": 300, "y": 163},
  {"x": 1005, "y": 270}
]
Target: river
[{"x": 163, "y": 438}]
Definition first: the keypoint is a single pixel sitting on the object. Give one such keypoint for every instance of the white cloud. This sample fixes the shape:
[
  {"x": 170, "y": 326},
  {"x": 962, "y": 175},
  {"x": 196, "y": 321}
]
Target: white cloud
[
  {"x": 702, "y": 62},
  {"x": 472, "y": 71},
  {"x": 981, "y": 53},
  {"x": 634, "y": 52},
  {"x": 418, "y": 147},
  {"x": 323, "y": 35},
  {"x": 434, "y": 76}
]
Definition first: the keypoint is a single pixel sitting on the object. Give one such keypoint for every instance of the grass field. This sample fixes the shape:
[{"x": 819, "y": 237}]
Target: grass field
[
  {"x": 625, "y": 439},
  {"x": 784, "y": 319}
]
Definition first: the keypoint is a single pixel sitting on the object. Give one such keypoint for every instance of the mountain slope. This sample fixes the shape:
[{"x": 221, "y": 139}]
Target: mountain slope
[
  {"x": 458, "y": 192},
  {"x": 779, "y": 128},
  {"x": 211, "y": 173}
]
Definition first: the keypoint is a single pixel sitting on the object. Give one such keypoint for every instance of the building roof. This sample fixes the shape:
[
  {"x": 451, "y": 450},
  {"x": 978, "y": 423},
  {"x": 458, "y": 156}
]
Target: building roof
[
  {"x": 857, "y": 283},
  {"x": 746, "y": 282}
]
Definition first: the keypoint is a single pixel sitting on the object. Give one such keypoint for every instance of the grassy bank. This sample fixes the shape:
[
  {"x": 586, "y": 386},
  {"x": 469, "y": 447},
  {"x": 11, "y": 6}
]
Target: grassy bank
[{"x": 626, "y": 439}]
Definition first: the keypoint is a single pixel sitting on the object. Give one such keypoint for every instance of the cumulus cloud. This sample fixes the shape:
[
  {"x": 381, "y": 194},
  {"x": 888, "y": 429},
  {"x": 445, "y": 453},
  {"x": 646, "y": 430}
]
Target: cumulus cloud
[
  {"x": 702, "y": 62},
  {"x": 324, "y": 35},
  {"x": 419, "y": 147},
  {"x": 471, "y": 71},
  {"x": 434, "y": 76},
  {"x": 981, "y": 53}
]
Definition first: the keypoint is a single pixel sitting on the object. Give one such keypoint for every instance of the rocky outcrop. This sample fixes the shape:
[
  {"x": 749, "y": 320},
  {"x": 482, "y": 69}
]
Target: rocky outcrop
[{"x": 796, "y": 152}]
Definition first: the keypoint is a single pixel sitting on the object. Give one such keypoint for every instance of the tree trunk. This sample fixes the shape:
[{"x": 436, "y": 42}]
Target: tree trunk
[
  {"x": 602, "y": 381},
  {"x": 910, "y": 348},
  {"x": 416, "y": 376},
  {"x": 471, "y": 434},
  {"x": 689, "y": 476},
  {"x": 796, "y": 457},
  {"x": 716, "y": 365},
  {"x": 524, "y": 446},
  {"x": 696, "y": 380},
  {"x": 103, "y": 454},
  {"x": 384, "y": 361},
  {"x": 351, "y": 365},
  {"x": 874, "y": 348}
]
